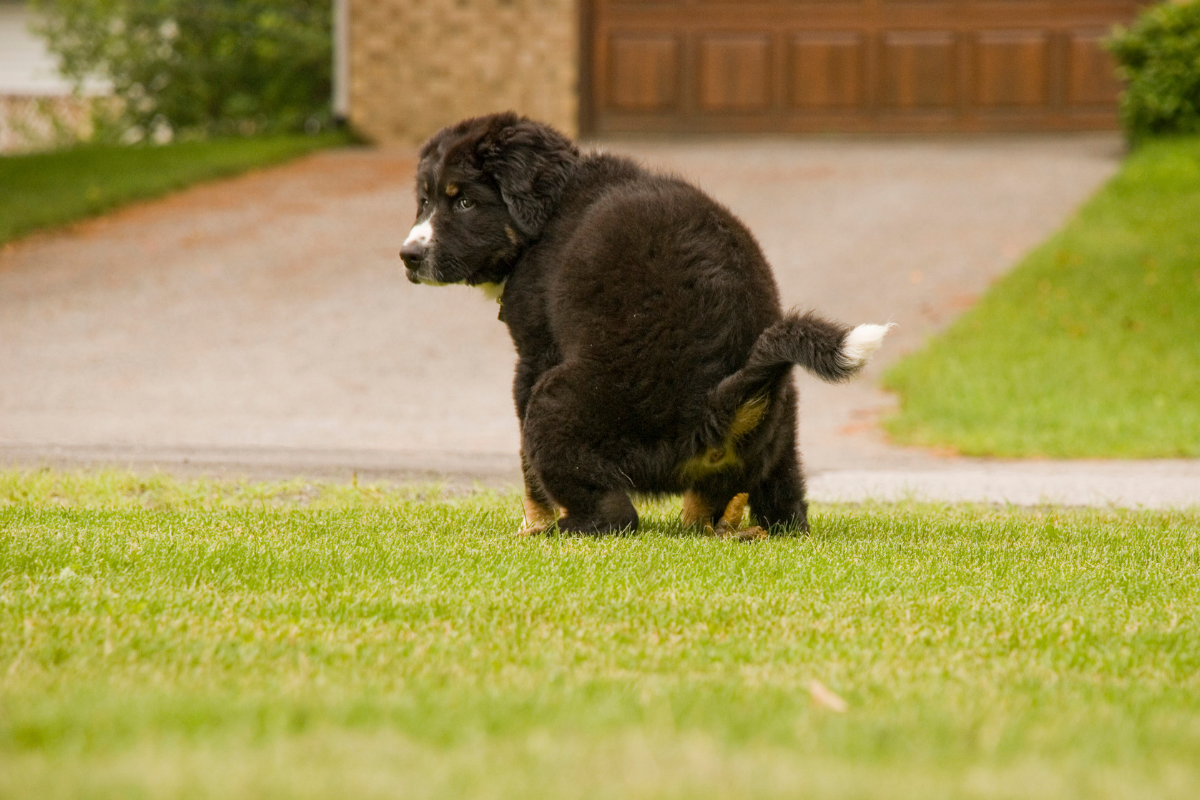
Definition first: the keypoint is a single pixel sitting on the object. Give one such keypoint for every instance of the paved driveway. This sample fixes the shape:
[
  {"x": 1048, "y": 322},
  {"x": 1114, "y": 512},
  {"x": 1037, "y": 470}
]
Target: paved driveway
[{"x": 262, "y": 324}]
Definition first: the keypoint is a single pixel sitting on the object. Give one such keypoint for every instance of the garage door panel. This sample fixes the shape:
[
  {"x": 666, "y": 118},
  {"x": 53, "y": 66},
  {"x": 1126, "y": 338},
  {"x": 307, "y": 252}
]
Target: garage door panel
[
  {"x": 826, "y": 70},
  {"x": 919, "y": 70},
  {"x": 793, "y": 65},
  {"x": 644, "y": 71},
  {"x": 1011, "y": 68},
  {"x": 735, "y": 72},
  {"x": 1091, "y": 79}
]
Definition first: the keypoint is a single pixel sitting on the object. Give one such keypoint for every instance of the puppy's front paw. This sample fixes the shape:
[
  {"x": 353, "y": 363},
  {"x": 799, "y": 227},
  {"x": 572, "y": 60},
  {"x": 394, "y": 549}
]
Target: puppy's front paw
[
  {"x": 539, "y": 518},
  {"x": 535, "y": 529}
]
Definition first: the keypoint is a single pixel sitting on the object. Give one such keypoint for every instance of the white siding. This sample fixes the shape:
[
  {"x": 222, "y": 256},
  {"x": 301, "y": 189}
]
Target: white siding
[{"x": 26, "y": 67}]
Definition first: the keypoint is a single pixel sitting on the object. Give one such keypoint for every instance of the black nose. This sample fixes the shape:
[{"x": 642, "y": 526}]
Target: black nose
[{"x": 412, "y": 254}]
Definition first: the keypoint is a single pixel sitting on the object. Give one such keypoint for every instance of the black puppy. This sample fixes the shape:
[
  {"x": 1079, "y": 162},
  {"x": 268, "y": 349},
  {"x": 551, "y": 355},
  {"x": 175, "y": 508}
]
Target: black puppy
[{"x": 653, "y": 353}]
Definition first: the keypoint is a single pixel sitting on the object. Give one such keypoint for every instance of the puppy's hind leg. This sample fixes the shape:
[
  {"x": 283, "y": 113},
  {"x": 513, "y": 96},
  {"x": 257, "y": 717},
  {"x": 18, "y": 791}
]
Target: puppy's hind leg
[
  {"x": 600, "y": 512},
  {"x": 557, "y": 437},
  {"x": 778, "y": 501},
  {"x": 589, "y": 490},
  {"x": 697, "y": 509}
]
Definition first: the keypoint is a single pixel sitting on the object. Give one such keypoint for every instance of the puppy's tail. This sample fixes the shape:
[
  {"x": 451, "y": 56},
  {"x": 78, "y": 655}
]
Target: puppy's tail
[{"x": 829, "y": 350}]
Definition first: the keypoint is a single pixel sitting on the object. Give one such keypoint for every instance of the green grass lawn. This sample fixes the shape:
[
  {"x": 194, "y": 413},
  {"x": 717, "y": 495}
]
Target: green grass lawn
[
  {"x": 41, "y": 190},
  {"x": 1091, "y": 347},
  {"x": 199, "y": 639}
]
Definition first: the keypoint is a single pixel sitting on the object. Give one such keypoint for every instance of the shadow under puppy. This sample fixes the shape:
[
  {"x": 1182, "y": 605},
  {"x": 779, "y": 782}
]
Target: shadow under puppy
[{"x": 653, "y": 355}]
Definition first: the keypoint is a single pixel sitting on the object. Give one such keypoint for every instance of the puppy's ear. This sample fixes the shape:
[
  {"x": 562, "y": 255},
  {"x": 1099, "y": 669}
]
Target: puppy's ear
[{"x": 531, "y": 163}]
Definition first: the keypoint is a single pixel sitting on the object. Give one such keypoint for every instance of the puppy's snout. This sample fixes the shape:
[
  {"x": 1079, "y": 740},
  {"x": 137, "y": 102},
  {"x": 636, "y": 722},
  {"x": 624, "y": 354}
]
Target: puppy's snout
[
  {"x": 416, "y": 246},
  {"x": 413, "y": 253}
]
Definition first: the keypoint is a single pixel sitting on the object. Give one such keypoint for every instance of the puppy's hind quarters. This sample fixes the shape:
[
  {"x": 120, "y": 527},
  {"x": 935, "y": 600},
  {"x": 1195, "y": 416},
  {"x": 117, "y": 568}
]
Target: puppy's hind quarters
[
  {"x": 860, "y": 344},
  {"x": 829, "y": 350}
]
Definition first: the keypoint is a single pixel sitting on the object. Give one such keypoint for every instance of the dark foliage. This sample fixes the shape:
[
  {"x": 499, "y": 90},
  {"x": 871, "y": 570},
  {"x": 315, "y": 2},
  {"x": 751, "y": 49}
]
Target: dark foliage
[
  {"x": 200, "y": 67},
  {"x": 1160, "y": 57}
]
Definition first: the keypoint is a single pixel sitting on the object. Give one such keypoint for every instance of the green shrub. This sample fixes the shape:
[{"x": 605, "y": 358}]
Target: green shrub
[
  {"x": 200, "y": 67},
  {"x": 1160, "y": 57}
]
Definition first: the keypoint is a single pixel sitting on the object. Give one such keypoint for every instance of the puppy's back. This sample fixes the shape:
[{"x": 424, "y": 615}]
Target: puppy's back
[{"x": 662, "y": 291}]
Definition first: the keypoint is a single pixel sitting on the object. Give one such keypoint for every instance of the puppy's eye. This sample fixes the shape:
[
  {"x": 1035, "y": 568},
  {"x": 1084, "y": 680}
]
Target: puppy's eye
[
  {"x": 421, "y": 201},
  {"x": 463, "y": 203}
]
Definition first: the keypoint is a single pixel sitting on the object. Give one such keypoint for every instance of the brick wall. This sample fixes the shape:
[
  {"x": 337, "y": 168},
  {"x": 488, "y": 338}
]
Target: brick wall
[
  {"x": 42, "y": 123},
  {"x": 417, "y": 65}
]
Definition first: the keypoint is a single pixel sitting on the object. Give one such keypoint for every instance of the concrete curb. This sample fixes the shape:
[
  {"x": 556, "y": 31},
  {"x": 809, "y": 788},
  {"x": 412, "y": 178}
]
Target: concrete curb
[
  {"x": 1100, "y": 484},
  {"x": 1140, "y": 484},
  {"x": 463, "y": 470}
]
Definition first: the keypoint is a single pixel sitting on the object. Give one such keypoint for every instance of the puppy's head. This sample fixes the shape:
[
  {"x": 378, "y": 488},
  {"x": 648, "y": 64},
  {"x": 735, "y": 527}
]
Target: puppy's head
[{"x": 485, "y": 189}]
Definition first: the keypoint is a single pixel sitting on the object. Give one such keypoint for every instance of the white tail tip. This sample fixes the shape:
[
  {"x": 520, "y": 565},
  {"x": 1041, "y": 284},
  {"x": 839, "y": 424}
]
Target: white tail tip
[{"x": 860, "y": 344}]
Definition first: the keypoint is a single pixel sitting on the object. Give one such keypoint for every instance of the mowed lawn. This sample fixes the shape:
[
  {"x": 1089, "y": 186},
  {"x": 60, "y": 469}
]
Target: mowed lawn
[
  {"x": 200, "y": 639},
  {"x": 1091, "y": 346},
  {"x": 42, "y": 190}
]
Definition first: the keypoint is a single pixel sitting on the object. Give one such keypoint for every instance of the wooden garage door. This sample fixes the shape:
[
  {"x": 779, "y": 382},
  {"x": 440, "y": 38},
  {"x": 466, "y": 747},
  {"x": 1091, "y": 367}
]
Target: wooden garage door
[{"x": 886, "y": 65}]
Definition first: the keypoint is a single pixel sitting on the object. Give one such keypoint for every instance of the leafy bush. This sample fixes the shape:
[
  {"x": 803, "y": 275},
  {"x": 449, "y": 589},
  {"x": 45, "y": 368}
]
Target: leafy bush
[
  {"x": 1160, "y": 57},
  {"x": 199, "y": 67}
]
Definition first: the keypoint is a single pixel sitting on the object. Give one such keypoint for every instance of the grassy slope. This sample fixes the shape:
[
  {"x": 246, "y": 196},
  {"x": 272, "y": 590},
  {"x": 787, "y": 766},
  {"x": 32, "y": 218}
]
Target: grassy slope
[
  {"x": 42, "y": 190},
  {"x": 163, "y": 639},
  {"x": 1091, "y": 347}
]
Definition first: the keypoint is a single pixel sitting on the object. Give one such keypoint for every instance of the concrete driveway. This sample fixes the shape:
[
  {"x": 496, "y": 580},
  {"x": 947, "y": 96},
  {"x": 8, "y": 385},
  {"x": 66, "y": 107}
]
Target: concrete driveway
[{"x": 262, "y": 325}]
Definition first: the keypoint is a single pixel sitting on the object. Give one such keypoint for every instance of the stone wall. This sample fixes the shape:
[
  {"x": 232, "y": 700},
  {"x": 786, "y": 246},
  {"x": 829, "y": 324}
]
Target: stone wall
[{"x": 417, "y": 65}]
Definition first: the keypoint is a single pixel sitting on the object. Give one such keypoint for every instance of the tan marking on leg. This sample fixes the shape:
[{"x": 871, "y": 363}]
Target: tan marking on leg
[
  {"x": 538, "y": 518},
  {"x": 696, "y": 509},
  {"x": 747, "y": 417}
]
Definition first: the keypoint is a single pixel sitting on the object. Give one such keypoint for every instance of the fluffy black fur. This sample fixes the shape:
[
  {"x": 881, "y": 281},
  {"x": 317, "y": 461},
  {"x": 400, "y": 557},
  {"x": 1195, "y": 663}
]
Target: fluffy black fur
[{"x": 653, "y": 352}]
